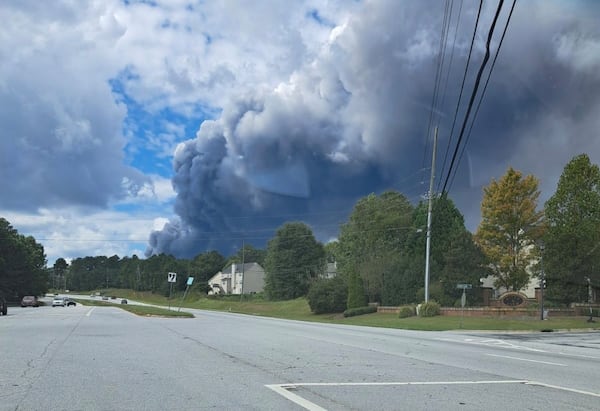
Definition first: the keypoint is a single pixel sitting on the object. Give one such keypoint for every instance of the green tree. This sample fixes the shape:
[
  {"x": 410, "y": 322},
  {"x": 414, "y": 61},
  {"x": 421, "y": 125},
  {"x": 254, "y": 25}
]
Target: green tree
[
  {"x": 356, "y": 291},
  {"x": 249, "y": 254},
  {"x": 510, "y": 227},
  {"x": 204, "y": 266},
  {"x": 22, "y": 263},
  {"x": 327, "y": 295},
  {"x": 572, "y": 241},
  {"x": 294, "y": 258},
  {"x": 59, "y": 273},
  {"x": 454, "y": 258},
  {"x": 376, "y": 232}
]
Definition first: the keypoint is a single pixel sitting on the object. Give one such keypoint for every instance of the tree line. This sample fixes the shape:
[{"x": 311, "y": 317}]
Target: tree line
[{"x": 380, "y": 250}]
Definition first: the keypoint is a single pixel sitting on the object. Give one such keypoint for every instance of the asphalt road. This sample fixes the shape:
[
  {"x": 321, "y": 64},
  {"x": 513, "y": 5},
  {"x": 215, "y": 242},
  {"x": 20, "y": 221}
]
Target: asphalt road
[{"x": 103, "y": 358}]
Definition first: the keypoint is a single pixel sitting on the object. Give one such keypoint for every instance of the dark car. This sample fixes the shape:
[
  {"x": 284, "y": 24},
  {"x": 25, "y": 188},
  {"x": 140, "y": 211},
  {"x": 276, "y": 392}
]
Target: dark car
[
  {"x": 123, "y": 301},
  {"x": 30, "y": 301},
  {"x": 69, "y": 302},
  {"x": 3, "y": 309}
]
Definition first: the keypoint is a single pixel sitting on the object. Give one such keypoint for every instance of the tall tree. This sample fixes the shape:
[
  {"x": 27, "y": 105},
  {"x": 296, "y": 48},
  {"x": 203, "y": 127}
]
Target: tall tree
[
  {"x": 204, "y": 266},
  {"x": 294, "y": 258},
  {"x": 22, "y": 263},
  {"x": 60, "y": 270},
  {"x": 249, "y": 254},
  {"x": 455, "y": 258},
  {"x": 510, "y": 227},
  {"x": 572, "y": 242},
  {"x": 376, "y": 232}
]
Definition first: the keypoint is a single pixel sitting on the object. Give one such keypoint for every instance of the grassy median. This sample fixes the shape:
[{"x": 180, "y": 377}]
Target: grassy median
[
  {"x": 143, "y": 310},
  {"x": 298, "y": 309}
]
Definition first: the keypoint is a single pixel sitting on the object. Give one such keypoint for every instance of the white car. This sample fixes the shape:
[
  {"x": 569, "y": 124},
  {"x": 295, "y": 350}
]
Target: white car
[{"x": 58, "y": 301}]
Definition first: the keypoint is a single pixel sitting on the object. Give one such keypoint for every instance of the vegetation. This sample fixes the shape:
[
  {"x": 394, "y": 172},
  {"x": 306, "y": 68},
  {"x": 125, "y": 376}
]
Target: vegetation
[
  {"x": 379, "y": 254},
  {"x": 510, "y": 227},
  {"x": 455, "y": 258},
  {"x": 572, "y": 242},
  {"x": 294, "y": 259},
  {"x": 371, "y": 241},
  {"x": 429, "y": 309},
  {"x": 143, "y": 310},
  {"x": 22, "y": 264},
  {"x": 406, "y": 311},
  {"x": 327, "y": 296},
  {"x": 352, "y": 312},
  {"x": 356, "y": 292}
]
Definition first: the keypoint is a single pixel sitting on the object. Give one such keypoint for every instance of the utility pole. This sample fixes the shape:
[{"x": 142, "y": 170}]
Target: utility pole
[
  {"x": 542, "y": 282},
  {"x": 429, "y": 207},
  {"x": 243, "y": 258}
]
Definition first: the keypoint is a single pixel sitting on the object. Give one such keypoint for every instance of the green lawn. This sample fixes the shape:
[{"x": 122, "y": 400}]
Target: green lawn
[
  {"x": 139, "y": 309},
  {"x": 298, "y": 309}
]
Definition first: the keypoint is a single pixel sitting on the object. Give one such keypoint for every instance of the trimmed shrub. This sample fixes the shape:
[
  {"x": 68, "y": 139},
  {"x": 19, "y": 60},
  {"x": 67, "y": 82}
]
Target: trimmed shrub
[
  {"x": 356, "y": 291},
  {"x": 406, "y": 311},
  {"x": 327, "y": 296},
  {"x": 352, "y": 312},
  {"x": 429, "y": 309}
]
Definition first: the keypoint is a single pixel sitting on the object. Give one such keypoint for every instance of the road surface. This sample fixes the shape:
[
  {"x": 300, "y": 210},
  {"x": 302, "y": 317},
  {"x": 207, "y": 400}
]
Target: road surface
[{"x": 104, "y": 358}]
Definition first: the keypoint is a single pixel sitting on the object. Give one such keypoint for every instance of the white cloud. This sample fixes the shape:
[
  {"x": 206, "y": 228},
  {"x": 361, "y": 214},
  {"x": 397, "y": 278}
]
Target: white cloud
[{"x": 74, "y": 232}]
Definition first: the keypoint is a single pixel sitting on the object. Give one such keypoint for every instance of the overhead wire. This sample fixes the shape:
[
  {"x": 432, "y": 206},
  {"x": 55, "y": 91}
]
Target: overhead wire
[
  {"x": 483, "y": 93},
  {"x": 462, "y": 86},
  {"x": 438, "y": 76},
  {"x": 473, "y": 94}
]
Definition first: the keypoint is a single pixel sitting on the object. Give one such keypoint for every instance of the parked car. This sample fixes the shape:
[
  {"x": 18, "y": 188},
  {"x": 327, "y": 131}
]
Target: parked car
[
  {"x": 3, "y": 308},
  {"x": 30, "y": 301},
  {"x": 58, "y": 301},
  {"x": 123, "y": 301},
  {"x": 105, "y": 298}
]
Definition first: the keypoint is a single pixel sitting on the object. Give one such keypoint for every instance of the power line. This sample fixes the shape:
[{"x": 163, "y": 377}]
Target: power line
[
  {"x": 474, "y": 93},
  {"x": 483, "y": 93},
  {"x": 438, "y": 72},
  {"x": 462, "y": 86}
]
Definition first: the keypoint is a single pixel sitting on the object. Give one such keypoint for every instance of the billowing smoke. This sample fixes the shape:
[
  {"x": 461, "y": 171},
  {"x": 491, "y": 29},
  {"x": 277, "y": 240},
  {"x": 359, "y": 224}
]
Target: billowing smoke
[{"x": 352, "y": 120}]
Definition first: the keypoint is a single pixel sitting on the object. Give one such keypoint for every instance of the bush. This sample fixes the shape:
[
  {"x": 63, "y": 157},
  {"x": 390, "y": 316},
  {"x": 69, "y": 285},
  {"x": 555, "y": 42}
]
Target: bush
[
  {"x": 406, "y": 311},
  {"x": 352, "y": 312},
  {"x": 356, "y": 291},
  {"x": 429, "y": 309},
  {"x": 327, "y": 296}
]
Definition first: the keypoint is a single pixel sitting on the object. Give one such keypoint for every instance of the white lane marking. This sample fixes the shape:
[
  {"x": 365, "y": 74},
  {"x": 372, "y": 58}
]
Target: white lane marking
[
  {"x": 283, "y": 389},
  {"x": 90, "y": 312},
  {"x": 526, "y": 359},
  {"x": 358, "y": 384},
  {"x": 296, "y": 399},
  {"x": 493, "y": 343},
  {"x": 558, "y": 387}
]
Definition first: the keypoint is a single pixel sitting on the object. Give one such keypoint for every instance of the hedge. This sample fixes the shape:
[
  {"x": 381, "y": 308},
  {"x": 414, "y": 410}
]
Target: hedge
[
  {"x": 429, "y": 309},
  {"x": 351, "y": 312},
  {"x": 406, "y": 311}
]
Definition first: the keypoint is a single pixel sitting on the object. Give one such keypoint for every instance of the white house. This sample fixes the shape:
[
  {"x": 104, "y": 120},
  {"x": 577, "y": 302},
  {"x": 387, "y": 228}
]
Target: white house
[{"x": 238, "y": 279}]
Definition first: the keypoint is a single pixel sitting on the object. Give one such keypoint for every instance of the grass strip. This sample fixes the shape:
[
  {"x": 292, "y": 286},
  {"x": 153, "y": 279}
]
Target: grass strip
[
  {"x": 298, "y": 309},
  {"x": 142, "y": 310}
]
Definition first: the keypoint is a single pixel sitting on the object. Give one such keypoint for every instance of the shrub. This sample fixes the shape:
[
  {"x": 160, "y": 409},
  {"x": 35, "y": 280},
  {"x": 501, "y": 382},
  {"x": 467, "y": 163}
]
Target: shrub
[
  {"x": 327, "y": 296},
  {"x": 356, "y": 291},
  {"x": 429, "y": 309},
  {"x": 352, "y": 312},
  {"x": 406, "y": 311}
]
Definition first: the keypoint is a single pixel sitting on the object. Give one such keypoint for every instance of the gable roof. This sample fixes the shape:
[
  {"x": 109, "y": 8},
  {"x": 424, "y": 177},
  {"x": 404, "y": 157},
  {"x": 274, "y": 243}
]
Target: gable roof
[{"x": 238, "y": 267}]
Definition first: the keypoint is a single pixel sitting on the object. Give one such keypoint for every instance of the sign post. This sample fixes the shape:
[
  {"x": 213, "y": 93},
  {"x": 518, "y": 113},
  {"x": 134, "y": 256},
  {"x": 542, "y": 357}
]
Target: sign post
[
  {"x": 190, "y": 281},
  {"x": 463, "y": 299},
  {"x": 171, "y": 278}
]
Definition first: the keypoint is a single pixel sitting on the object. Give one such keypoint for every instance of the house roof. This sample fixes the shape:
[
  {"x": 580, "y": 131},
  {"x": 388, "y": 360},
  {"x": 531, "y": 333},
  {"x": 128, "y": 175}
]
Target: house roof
[{"x": 238, "y": 267}]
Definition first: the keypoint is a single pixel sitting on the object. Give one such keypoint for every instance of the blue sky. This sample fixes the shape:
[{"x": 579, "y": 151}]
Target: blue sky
[{"x": 205, "y": 123}]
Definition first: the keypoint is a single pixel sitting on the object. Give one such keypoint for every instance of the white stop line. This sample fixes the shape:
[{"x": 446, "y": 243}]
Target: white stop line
[{"x": 285, "y": 390}]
